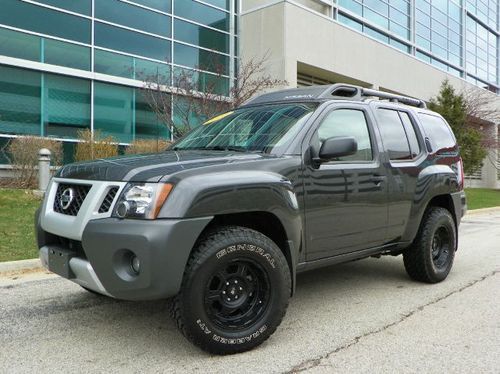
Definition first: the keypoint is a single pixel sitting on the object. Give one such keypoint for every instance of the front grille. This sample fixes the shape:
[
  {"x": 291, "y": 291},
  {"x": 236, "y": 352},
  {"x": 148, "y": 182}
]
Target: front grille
[
  {"x": 79, "y": 192},
  {"x": 108, "y": 200}
]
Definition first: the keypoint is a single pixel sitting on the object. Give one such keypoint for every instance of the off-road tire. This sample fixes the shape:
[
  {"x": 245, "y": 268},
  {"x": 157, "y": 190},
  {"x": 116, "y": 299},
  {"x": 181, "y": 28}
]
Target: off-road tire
[
  {"x": 418, "y": 258},
  {"x": 196, "y": 307}
]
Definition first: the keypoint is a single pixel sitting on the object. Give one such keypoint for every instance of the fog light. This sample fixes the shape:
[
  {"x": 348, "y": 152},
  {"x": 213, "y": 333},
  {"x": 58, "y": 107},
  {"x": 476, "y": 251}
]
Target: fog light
[
  {"x": 135, "y": 263},
  {"x": 123, "y": 209}
]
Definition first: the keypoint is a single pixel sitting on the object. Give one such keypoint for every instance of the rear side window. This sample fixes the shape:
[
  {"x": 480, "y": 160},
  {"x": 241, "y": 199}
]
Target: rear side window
[
  {"x": 438, "y": 132},
  {"x": 393, "y": 135},
  {"x": 411, "y": 134}
]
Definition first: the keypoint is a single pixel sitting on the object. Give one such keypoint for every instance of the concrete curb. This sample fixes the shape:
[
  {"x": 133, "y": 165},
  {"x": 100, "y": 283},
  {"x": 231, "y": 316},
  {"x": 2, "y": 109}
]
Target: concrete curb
[
  {"x": 22, "y": 265},
  {"x": 484, "y": 210}
]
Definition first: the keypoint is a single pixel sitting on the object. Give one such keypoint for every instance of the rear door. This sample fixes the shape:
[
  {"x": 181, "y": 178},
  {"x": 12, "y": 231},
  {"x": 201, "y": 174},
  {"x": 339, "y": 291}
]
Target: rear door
[
  {"x": 404, "y": 147},
  {"x": 345, "y": 199}
]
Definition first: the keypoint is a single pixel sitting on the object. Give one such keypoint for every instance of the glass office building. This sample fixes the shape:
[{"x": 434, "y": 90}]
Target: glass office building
[
  {"x": 458, "y": 36},
  {"x": 81, "y": 64}
]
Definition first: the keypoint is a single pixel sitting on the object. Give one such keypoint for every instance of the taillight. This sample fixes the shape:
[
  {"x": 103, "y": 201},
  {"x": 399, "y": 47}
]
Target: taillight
[{"x": 459, "y": 170}]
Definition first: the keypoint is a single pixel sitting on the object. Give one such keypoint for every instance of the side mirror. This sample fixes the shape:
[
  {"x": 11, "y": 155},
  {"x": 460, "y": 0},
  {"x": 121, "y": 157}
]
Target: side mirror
[{"x": 338, "y": 146}]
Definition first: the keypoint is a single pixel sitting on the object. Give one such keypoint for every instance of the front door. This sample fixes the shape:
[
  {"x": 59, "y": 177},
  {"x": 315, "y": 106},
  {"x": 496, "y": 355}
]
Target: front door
[{"x": 346, "y": 198}]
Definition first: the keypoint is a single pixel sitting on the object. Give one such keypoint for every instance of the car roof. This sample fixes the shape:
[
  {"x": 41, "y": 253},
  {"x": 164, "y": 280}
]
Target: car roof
[{"x": 339, "y": 91}]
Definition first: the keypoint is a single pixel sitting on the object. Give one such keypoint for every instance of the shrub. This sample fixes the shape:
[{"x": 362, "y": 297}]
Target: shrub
[
  {"x": 147, "y": 146},
  {"x": 23, "y": 155},
  {"x": 94, "y": 148}
]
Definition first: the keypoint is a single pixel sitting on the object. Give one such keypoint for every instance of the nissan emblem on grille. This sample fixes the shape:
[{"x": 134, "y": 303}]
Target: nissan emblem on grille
[{"x": 67, "y": 197}]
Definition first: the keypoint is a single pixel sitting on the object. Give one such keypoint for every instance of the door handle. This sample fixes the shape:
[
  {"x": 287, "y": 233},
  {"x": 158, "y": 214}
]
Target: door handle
[{"x": 377, "y": 179}]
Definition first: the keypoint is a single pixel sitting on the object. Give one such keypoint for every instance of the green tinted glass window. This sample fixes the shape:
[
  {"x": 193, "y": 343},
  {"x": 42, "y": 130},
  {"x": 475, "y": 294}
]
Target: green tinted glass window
[
  {"x": 163, "y": 5},
  {"x": 203, "y": 14},
  {"x": 19, "y": 45},
  {"x": 133, "y": 16},
  {"x": 213, "y": 83},
  {"x": 224, "y": 4},
  {"x": 77, "y": 6},
  {"x": 130, "y": 67},
  {"x": 202, "y": 36},
  {"x": 204, "y": 82},
  {"x": 113, "y": 114},
  {"x": 66, "y": 106},
  {"x": 152, "y": 71},
  {"x": 19, "y": 101},
  {"x": 69, "y": 149},
  {"x": 132, "y": 42},
  {"x": 113, "y": 64},
  {"x": 201, "y": 59},
  {"x": 4, "y": 156},
  {"x": 147, "y": 125},
  {"x": 66, "y": 54},
  {"x": 45, "y": 21}
]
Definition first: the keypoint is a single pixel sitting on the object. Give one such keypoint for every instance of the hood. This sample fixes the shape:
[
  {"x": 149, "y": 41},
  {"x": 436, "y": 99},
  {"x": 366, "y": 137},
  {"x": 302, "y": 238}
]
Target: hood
[{"x": 152, "y": 167}]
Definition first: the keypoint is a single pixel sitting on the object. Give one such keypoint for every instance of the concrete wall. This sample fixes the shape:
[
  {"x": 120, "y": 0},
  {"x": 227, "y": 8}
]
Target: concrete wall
[{"x": 300, "y": 38}]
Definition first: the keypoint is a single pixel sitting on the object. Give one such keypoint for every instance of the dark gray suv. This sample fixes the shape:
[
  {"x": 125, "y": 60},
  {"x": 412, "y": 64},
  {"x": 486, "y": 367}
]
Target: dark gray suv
[{"x": 227, "y": 216}]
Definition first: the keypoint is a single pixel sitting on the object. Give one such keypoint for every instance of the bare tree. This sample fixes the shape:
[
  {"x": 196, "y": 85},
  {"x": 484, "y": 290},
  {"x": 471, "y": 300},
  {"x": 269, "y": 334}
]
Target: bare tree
[
  {"x": 195, "y": 94},
  {"x": 482, "y": 113}
]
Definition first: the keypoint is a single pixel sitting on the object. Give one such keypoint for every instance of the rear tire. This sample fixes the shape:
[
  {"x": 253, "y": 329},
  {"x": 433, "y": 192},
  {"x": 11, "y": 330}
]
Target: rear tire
[
  {"x": 234, "y": 293},
  {"x": 430, "y": 258}
]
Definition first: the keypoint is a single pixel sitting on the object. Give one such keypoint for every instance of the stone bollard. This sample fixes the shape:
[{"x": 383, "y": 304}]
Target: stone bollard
[{"x": 43, "y": 169}]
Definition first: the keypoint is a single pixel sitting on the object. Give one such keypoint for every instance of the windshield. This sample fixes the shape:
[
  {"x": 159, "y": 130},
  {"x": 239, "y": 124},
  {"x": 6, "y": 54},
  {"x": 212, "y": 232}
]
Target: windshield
[{"x": 257, "y": 129}]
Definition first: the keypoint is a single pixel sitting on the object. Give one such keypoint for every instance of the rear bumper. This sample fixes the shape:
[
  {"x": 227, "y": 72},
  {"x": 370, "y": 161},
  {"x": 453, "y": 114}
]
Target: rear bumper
[
  {"x": 459, "y": 204},
  {"x": 102, "y": 262}
]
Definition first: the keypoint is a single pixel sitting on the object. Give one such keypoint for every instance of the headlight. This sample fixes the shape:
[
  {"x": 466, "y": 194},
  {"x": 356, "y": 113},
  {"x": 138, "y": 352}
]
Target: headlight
[{"x": 142, "y": 200}]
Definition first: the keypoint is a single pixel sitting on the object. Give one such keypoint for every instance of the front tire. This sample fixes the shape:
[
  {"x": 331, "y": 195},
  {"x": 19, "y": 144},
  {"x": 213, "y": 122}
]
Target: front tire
[
  {"x": 430, "y": 258},
  {"x": 234, "y": 293}
]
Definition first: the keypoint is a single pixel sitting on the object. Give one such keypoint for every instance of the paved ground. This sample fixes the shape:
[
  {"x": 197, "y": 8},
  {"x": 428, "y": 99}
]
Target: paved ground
[{"x": 365, "y": 316}]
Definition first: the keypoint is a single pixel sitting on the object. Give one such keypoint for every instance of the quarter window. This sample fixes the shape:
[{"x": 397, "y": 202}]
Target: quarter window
[
  {"x": 438, "y": 131},
  {"x": 348, "y": 122}
]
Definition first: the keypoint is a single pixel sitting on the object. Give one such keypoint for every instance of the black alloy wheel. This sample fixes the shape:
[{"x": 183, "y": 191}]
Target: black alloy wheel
[
  {"x": 441, "y": 247},
  {"x": 237, "y": 295}
]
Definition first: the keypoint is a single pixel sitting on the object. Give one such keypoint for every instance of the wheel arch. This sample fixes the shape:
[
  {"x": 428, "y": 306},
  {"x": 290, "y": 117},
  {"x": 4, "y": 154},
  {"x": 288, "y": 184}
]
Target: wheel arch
[
  {"x": 444, "y": 201},
  {"x": 266, "y": 223}
]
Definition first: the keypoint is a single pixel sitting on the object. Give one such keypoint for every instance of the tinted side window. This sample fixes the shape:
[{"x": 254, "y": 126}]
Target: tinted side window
[
  {"x": 438, "y": 132},
  {"x": 348, "y": 122},
  {"x": 393, "y": 135},
  {"x": 411, "y": 134}
]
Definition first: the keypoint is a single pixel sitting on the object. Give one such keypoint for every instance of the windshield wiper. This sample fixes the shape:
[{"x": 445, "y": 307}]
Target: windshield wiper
[
  {"x": 214, "y": 148},
  {"x": 234, "y": 148}
]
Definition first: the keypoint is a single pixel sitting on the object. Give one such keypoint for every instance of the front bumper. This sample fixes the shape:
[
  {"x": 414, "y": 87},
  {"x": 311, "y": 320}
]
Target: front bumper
[{"x": 101, "y": 261}]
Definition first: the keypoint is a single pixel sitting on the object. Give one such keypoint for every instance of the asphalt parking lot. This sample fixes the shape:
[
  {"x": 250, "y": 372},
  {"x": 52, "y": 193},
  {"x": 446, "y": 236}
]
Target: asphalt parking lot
[{"x": 365, "y": 316}]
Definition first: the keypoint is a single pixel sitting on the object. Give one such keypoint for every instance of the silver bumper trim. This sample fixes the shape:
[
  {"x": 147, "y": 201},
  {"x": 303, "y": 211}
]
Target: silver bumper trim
[{"x": 84, "y": 272}]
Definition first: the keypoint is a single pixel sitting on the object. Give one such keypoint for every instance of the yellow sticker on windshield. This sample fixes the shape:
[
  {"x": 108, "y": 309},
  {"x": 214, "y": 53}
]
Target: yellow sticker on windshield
[{"x": 219, "y": 117}]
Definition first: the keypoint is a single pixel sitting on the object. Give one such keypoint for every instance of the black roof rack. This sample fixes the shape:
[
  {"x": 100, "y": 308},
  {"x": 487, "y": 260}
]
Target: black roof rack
[{"x": 334, "y": 91}]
